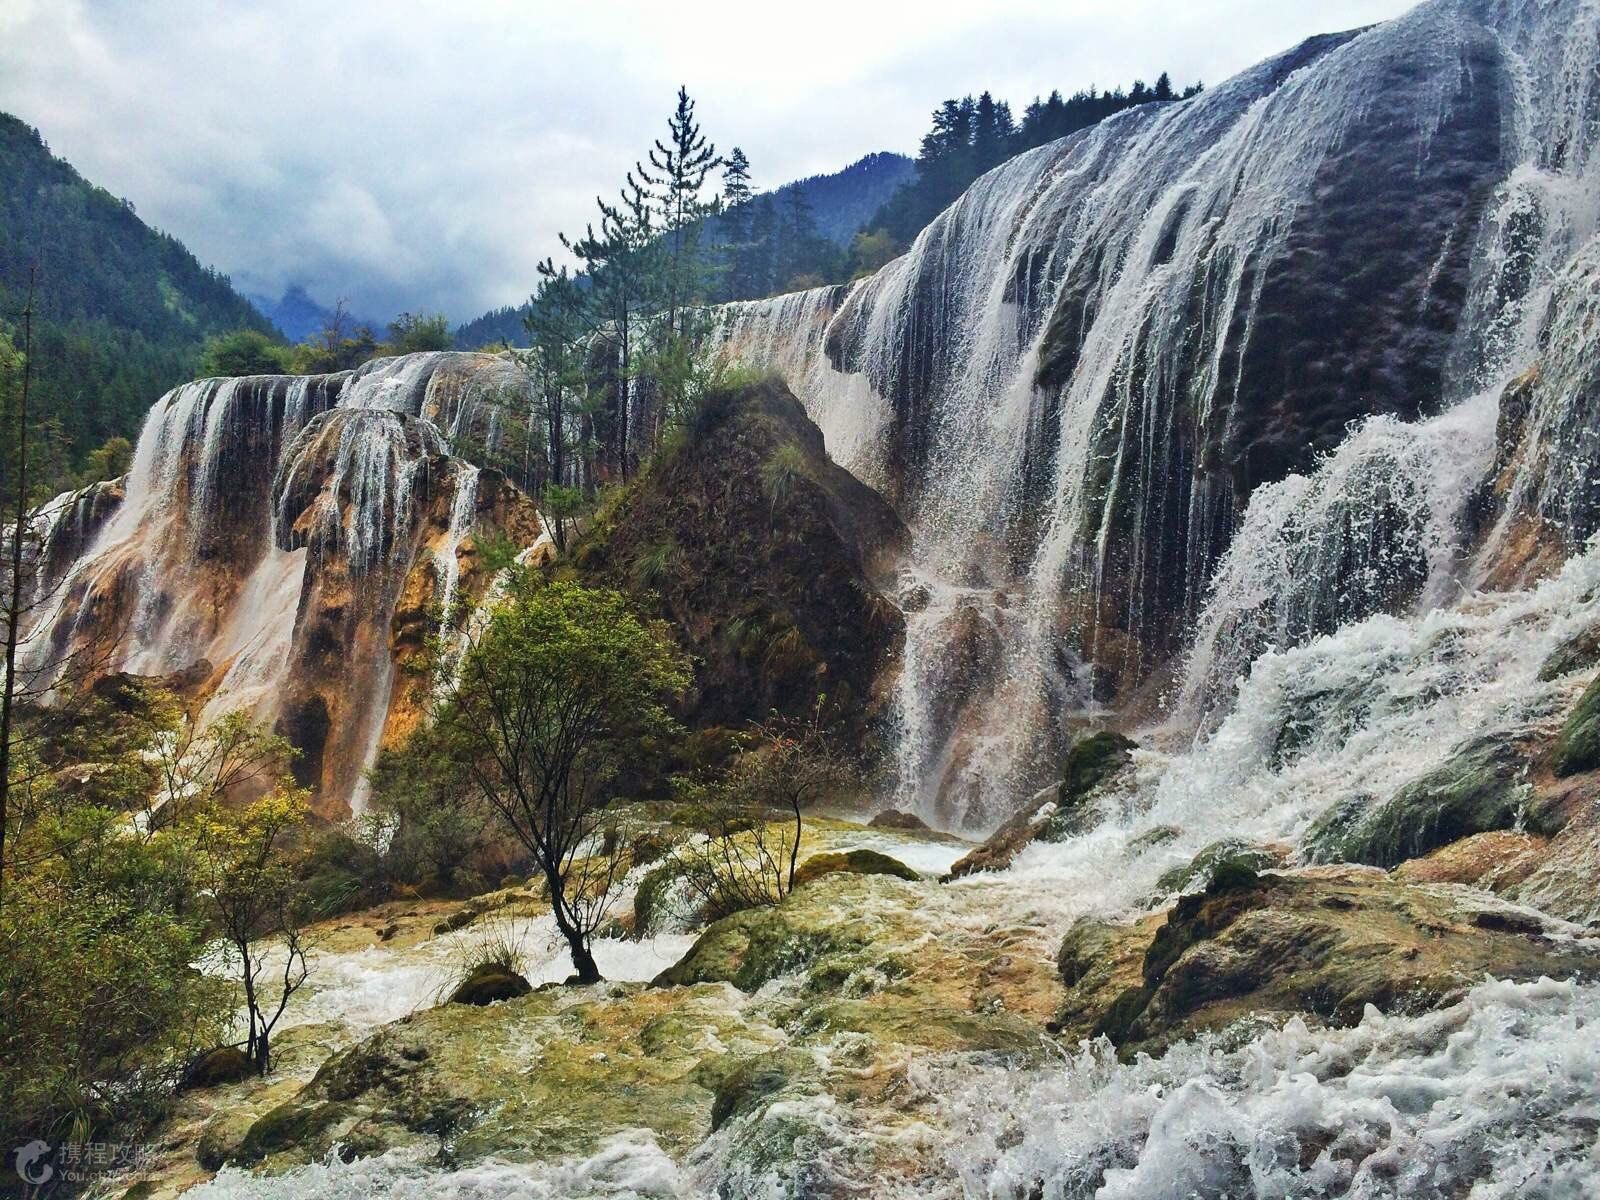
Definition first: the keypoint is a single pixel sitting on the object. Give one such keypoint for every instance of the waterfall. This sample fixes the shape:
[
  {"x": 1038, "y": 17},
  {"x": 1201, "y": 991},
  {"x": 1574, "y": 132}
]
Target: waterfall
[
  {"x": 249, "y": 502},
  {"x": 1118, "y": 377}
]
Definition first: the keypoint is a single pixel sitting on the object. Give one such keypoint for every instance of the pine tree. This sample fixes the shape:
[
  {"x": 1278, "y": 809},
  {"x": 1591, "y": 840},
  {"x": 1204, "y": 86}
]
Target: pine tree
[{"x": 736, "y": 187}]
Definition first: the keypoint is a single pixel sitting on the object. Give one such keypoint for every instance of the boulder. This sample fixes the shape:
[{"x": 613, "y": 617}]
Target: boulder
[
  {"x": 1064, "y": 811},
  {"x": 1217, "y": 859},
  {"x": 1577, "y": 747},
  {"x": 224, "y": 1064},
  {"x": 1496, "y": 861},
  {"x": 489, "y": 983},
  {"x": 895, "y": 819},
  {"x": 1478, "y": 790},
  {"x": 853, "y": 862},
  {"x": 1319, "y": 942}
]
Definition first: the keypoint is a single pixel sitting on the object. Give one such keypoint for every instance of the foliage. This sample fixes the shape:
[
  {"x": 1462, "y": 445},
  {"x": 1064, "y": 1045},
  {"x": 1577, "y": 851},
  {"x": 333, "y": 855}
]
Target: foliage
[
  {"x": 550, "y": 702},
  {"x": 746, "y": 859},
  {"x": 122, "y": 312},
  {"x": 128, "y": 855},
  {"x": 244, "y": 352},
  {"x": 414, "y": 333}
]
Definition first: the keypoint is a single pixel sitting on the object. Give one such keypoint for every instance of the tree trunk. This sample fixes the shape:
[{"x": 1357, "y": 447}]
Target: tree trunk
[{"x": 14, "y": 599}]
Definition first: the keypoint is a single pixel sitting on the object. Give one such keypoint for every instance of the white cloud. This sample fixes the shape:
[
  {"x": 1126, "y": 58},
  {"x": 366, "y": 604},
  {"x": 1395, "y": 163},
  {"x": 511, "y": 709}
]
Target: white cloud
[{"x": 425, "y": 155}]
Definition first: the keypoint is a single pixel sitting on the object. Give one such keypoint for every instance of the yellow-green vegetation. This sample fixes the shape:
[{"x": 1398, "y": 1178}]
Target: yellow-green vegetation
[{"x": 132, "y": 844}]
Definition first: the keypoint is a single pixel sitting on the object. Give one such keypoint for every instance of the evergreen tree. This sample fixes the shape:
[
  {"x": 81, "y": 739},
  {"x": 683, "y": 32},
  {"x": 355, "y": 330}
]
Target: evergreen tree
[{"x": 736, "y": 187}]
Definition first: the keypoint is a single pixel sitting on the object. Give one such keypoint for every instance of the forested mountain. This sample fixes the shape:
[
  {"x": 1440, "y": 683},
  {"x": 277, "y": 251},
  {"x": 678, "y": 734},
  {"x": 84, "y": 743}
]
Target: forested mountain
[
  {"x": 121, "y": 309},
  {"x": 827, "y": 210}
]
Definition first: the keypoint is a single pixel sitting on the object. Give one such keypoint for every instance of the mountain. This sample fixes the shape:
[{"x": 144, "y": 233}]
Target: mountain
[
  {"x": 122, "y": 309},
  {"x": 297, "y": 315},
  {"x": 840, "y": 204}
]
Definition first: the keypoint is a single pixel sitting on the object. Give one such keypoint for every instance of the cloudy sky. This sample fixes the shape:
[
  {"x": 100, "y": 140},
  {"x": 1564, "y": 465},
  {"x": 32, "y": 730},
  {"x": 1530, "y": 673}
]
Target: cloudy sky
[{"x": 423, "y": 154}]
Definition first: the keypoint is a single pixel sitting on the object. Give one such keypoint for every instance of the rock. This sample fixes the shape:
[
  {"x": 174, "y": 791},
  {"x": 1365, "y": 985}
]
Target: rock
[
  {"x": 1057, "y": 813},
  {"x": 650, "y": 909},
  {"x": 1158, "y": 835},
  {"x": 1321, "y": 942},
  {"x": 895, "y": 819},
  {"x": 1577, "y": 747},
  {"x": 225, "y": 1064},
  {"x": 853, "y": 862},
  {"x": 1091, "y": 762},
  {"x": 1005, "y": 843},
  {"x": 1218, "y": 860},
  {"x": 490, "y": 983},
  {"x": 757, "y": 1081},
  {"x": 1496, "y": 861},
  {"x": 1480, "y": 789},
  {"x": 459, "y": 919},
  {"x": 1578, "y": 653}
]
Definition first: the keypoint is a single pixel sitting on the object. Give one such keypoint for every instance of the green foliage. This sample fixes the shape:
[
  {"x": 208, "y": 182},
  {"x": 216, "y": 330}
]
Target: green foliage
[
  {"x": 244, "y": 352},
  {"x": 552, "y": 701},
  {"x": 122, "y": 310},
  {"x": 781, "y": 473},
  {"x": 413, "y": 333}
]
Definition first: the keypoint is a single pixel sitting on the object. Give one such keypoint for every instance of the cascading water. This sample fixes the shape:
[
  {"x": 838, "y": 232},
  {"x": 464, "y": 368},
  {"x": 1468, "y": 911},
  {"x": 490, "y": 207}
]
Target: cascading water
[
  {"x": 1082, "y": 370},
  {"x": 244, "y": 495}
]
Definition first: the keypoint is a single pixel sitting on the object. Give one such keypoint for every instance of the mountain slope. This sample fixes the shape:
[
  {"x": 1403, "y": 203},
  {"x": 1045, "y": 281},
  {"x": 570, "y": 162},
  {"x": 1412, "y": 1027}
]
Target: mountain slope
[
  {"x": 840, "y": 204},
  {"x": 122, "y": 309}
]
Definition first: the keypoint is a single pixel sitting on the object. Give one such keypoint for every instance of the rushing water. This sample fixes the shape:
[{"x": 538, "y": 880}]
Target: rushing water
[{"x": 1076, "y": 493}]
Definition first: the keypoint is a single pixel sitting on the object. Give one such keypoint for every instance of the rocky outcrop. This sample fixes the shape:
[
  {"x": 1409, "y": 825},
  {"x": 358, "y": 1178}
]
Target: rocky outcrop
[
  {"x": 766, "y": 557},
  {"x": 1321, "y": 942}
]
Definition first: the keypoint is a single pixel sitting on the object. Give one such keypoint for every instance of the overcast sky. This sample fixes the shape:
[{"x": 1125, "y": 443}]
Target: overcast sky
[{"x": 423, "y": 154}]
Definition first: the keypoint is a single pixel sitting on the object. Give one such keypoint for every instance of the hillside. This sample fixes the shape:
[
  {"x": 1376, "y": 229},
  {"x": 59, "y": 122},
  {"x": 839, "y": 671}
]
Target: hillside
[
  {"x": 122, "y": 309},
  {"x": 839, "y": 203}
]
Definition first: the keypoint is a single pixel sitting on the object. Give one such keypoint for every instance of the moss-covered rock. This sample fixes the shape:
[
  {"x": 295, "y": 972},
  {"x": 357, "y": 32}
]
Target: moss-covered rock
[
  {"x": 1578, "y": 653},
  {"x": 225, "y": 1064},
  {"x": 1480, "y": 789},
  {"x": 852, "y": 862},
  {"x": 1321, "y": 942},
  {"x": 765, "y": 556},
  {"x": 488, "y": 984},
  {"x": 1577, "y": 747},
  {"x": 896, "y": 819},
  {"x": 1092, "y": 761},
  {"x": 1220, "y": 858},
  {"x": 757, "y": 1081}
]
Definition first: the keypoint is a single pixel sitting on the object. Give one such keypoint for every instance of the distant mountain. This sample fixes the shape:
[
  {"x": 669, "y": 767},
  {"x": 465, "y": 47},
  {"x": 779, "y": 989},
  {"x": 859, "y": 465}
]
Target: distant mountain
[
  {"x": 840, "y": 204},
  {"x": 844, "y": 201},
  {"x": 122, "y": 309},
  {"x": 297, "y": 315}
]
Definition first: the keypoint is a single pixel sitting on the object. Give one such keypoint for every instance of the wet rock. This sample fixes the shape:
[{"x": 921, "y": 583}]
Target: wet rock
[
  {"x": 757, "y": 1081},
  {"x": 1496, "y": 861},
  {"x": 853, "y": 862},
  {"x": 1480, "y": 789},
  {"x": 1577, "y": 747},
  {"x": 1218, "y": 860},
  {"x": 490, "y": 983},
  {"x": 895, "y": 819},
  {"x": 1578, "y": 653},
  {"x": 1322, "y": 942},
  {"x": 1065, "y": 811}
]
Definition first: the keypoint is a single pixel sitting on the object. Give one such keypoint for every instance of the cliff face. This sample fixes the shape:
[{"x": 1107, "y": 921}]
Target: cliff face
[{"x": 281, "y": 542}]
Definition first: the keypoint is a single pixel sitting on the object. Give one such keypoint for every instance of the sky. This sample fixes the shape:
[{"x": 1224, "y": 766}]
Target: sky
[{"x": 423, "y": 155}]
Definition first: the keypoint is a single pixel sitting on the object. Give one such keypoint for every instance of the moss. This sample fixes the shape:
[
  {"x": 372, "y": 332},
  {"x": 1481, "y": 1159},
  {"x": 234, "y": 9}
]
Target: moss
[
  {"x": 854, "y": 862},
  {"x": 488, "y": 984},
  {"x": 1214, "y": 861},
  {"x": 1577, "y": 747},
  {"x": 750, "y": 1084},
  {"x": 289, "y": 1126},
  {"x": 649, "y": 906},
  {"x": 1091, "y": 762},
  {"x": 1478, "y": 790}
]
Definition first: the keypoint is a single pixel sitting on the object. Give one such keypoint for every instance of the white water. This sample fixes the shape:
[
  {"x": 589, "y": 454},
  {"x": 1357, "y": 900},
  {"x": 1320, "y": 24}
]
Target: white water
[{"x": 1062, "y": 498}]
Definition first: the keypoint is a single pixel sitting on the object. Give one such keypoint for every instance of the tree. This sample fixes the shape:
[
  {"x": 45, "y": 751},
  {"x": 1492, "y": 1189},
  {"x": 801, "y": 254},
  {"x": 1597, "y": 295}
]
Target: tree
[
  {"x": 618, "y": 259},
  {"x": 17, "y": 590},
  {"x": 249, "y": 884},
  {"x": 736, "y": 187},
  {"x": 747, "y": 859},
  {"x": 416, "y": 333},
  {"x": 543, "y": 711},
  {"x": 244, "y": 352}
]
